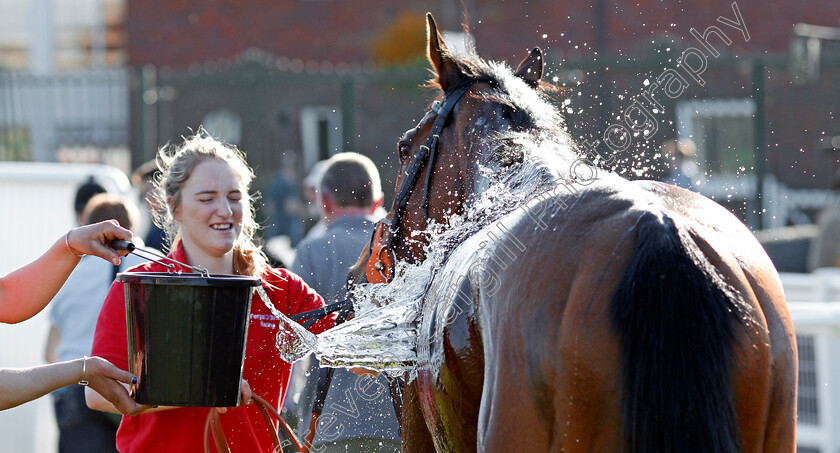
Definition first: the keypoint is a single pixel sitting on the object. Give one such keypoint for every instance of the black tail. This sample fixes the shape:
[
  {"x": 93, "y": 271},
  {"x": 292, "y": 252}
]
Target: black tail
[{"x": 677, "y": 320}]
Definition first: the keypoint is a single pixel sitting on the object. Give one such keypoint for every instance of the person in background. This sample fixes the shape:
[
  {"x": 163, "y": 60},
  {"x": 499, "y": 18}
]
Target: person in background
[
  {"x": 144, "y": 179},
  {"x": 679, "y": 160},
  {"x": 73, "y": 314},
  {"x": 284, "y": 204},
  {"x": 84, "y": 193},
  {"x": 202, "y": 201},
  {"x": 279, "y": 247},
  {"x": 825, "y": 247},
  {"x": 26, "y": 291},
  {"x": 311, "y": 184},
  {"x": 349, "y": 194}
]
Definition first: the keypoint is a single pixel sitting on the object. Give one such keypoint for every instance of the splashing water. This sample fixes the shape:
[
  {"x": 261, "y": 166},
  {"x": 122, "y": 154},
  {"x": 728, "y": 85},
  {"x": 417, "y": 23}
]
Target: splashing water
[
  {"x": 384, "y": 335},
  {"x": 293, "y": 340},
  {"x": 380, "y": 339}
]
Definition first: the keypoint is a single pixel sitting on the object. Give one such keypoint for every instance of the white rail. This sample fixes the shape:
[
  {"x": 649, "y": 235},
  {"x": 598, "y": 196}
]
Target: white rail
[{"x": 814, "y": 303}]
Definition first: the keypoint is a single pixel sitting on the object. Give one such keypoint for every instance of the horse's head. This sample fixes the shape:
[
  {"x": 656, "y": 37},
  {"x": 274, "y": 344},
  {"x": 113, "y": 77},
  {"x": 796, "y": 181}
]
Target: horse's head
[{"x": 465, "y": 133}]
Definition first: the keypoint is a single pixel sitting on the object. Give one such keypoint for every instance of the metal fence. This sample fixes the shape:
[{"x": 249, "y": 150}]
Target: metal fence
[
  {"x": 274, "y": 108},
  {"x": 78, "y": 115}
]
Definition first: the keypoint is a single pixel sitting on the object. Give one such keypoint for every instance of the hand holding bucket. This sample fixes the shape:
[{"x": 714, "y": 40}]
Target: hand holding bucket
[{"x": 186, "y": 333}]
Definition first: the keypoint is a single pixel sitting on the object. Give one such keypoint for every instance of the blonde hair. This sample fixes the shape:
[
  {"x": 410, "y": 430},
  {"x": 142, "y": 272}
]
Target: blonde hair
[{"x": 176, "y": 165}]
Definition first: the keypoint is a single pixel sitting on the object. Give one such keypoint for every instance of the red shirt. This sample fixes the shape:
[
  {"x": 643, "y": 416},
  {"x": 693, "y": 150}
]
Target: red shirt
[{"x": 182, "y": 429}]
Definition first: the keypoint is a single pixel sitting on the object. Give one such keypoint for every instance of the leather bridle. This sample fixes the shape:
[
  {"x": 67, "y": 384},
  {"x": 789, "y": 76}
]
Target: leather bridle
[{"x": 380, "y": 265}]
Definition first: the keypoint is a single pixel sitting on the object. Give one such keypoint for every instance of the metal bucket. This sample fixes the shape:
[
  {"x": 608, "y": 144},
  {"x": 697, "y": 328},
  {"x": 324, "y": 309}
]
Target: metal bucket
[{"x": 186, "y": 336}]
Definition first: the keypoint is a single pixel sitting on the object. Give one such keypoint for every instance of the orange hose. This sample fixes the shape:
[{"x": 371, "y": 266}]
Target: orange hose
[{"x": 213, "y": 427}]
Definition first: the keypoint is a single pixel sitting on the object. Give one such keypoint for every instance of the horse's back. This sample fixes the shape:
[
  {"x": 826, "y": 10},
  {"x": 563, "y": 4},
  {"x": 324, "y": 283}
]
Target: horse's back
[{"x": 565, "y": 277}]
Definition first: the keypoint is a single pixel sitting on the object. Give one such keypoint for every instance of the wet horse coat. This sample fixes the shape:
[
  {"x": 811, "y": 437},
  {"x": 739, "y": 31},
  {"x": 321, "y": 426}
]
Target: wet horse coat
[{"x": 600, "y": 315}]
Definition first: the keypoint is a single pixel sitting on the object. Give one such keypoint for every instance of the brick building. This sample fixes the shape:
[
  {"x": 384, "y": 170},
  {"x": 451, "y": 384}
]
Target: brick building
[
  {"x": 318, "y": 76},
  {"x": 179, "y": 33}
]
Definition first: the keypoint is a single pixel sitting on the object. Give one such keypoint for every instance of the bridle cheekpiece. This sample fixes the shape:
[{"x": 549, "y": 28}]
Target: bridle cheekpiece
[{"x": 380, "y": 265}]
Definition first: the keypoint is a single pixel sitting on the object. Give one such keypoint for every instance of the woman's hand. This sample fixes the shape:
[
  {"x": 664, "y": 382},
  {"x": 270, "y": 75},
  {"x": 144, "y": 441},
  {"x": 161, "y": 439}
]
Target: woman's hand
[
  {"x": 106, "y": 379},
  {"x": 244, "y": 399},
  {"x": 27, "y": 290},
  {"x": 95, "y": 239}
]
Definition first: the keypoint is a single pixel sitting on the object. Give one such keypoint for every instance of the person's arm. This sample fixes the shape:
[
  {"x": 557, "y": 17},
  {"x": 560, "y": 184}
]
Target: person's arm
[
  {"x": 300, "y": 298},
  {"x": 97, "y": 402},
  {"x": 27, "y": 290},
  {"x": 18, "y": 386}
]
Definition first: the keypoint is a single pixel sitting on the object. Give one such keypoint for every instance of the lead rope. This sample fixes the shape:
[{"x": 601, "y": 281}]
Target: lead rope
[
  {"x": 213, "y": 425},
  {"x": 213, "y": 428}
]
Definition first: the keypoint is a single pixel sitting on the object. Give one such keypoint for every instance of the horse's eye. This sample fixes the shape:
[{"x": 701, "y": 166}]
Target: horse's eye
[{"x": 403, "y": 148}]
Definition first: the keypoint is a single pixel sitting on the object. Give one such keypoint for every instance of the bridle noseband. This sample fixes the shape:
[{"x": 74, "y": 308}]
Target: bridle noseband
[{"x": 381, "y": 259}]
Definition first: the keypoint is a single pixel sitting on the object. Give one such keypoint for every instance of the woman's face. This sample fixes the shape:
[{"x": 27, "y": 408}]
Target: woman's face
[{"x": 210, "y": 213}]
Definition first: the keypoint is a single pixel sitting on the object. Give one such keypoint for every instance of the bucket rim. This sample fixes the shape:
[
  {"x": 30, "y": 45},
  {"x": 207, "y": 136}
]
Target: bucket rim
[{"x": 187, "y": 279}]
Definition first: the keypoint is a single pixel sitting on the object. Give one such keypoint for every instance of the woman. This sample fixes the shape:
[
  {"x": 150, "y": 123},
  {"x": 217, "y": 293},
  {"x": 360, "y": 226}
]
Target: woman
[
  {"x": 204, "y": 206},
  {"x": 27, "y": 290}
]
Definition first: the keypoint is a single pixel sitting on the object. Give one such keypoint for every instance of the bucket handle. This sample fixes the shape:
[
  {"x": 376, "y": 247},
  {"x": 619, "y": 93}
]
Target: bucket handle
[{"x": 130, "y": 247}]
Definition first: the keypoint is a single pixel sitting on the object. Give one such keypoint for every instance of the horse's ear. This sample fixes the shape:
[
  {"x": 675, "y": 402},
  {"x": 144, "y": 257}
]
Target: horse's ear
[
  {"x": 531, "y": 68},
  {"x": 448, "y": 74}
]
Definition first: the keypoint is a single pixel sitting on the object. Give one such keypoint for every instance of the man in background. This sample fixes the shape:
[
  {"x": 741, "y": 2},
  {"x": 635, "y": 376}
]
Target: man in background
[
  {"x": 144, "y": 180},
  {"x": 349, "y": 194}
]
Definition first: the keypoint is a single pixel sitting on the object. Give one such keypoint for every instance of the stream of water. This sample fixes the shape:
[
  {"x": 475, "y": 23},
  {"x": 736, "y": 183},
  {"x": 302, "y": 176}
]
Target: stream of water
[{"x": 384, "y": 332}]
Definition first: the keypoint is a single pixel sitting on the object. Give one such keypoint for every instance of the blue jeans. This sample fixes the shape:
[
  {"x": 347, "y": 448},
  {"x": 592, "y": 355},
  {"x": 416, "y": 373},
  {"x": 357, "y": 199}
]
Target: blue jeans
[{"x": 81, "y": 429}]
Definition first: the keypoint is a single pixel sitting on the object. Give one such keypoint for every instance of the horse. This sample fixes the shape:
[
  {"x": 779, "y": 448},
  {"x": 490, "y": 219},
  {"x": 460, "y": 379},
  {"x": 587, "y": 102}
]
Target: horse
[{"x": 584, "y": 313}]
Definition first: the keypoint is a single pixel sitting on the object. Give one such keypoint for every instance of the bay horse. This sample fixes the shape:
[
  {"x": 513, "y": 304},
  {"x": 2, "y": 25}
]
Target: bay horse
[{"x": 583, "y": 313}]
